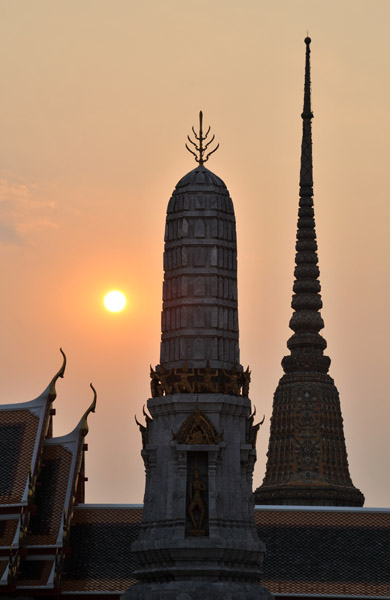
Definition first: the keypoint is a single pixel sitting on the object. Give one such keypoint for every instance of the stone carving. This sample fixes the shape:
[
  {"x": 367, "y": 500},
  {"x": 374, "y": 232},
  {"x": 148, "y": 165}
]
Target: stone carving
[
  {"x": 247, "y": 380},
  {"x": 208, "y": 384},
  {"x": 144, "y": 430},
  {"x": 253, "y": 430},
  {"x": 307, "y": 421},
  {"x": 199, "y": 380},
  {"x": 197, "y": 429},
  {"x": 195, "y": 489},
  {"x": 183, "y": 383},
  {"x": 308, "y": 454},
  {"x": 155, "y": 386},
  {"x": 232, "y": 385}
]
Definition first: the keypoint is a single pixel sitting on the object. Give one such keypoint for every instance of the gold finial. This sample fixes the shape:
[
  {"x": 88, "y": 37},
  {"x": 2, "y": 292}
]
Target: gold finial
[
  {"x": 201, "y": 149},
  {"x": 91, "y": 408},
  {"x": 52, "y": 385}
]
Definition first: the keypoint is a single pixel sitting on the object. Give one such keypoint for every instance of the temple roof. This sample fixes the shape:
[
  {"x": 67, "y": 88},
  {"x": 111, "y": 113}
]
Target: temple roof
[
  {"x": 23, "y": 426},
  {"x": 100, "y": 539},
  {"x": 310, "y": 551},
  {"x": 41, "y": 479},
  {"x": 326, "y": 551},
  {"x": 37, "y": 573},
  {"x": 57, "y": 485}
]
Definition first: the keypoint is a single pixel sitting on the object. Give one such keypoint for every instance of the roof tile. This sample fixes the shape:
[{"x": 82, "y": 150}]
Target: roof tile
[{"x": 18, "y": 437}]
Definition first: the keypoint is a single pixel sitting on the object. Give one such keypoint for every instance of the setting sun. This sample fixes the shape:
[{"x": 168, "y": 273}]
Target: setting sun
[{"x": 114, "y": 301}]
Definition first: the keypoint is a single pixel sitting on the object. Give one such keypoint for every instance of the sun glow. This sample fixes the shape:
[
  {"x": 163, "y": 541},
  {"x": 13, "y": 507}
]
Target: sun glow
[{"x": 114, "y": 301}]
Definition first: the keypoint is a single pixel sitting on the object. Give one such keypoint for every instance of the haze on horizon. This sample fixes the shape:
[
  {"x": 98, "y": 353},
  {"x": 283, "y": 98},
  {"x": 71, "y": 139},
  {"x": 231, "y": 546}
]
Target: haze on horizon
[{"x": 97, "y": 99}]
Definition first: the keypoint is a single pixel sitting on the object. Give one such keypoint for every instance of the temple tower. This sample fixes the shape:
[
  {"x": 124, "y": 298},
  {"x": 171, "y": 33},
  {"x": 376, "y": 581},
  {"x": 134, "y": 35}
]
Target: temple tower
[
  {"x": 307, "y": 458},
  {"x": 198, "y": 537}
]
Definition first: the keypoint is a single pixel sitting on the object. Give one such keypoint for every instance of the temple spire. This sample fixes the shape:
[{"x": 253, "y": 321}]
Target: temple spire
[
  {"x": 306, "y": 345},
  {"x": 307, "y": 457},
  {"x": 306, "y": 176},
  {"x": 199, "y": 438}
]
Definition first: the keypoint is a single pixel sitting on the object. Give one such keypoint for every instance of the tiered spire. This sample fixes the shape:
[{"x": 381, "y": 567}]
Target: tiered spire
[
  {"x": 306, "y": 344},
  {"x": 307, "y": 458}
]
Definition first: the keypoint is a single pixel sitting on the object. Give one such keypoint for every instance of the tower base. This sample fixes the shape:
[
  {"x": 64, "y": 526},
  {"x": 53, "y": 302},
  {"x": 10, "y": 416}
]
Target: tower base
[
  {"x": 309, "y": 496},
  {"x": 197, "y": 590}
]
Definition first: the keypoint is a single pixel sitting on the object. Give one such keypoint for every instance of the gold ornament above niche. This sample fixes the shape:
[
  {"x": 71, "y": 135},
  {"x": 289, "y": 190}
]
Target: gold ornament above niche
[
  {"x": 199, "y": 380},
  {"x": 197, "y": 429}
]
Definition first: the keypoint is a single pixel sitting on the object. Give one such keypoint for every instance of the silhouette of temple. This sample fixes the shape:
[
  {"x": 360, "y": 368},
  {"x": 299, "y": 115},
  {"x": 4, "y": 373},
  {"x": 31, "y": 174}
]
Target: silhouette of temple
[
  {"x": 198, "y": 523},
  {"x": 307, "y": 458},
  {"x": 42, "y": 479}
]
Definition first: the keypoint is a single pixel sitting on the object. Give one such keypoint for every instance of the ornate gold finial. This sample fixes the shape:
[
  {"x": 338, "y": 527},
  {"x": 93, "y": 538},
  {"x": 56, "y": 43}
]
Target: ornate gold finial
[
  {"x": 91, "y": 408},
  {"x": 201, "y": 149},
  {"x": 60, "y": 373}
]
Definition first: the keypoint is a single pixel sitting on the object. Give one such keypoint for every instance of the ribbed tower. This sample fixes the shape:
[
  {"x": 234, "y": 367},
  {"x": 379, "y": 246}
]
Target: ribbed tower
[
  {"x": 199, "y": 317},
  {"x": 307, "y": 458},
  {"x": 198, "y": 537}
]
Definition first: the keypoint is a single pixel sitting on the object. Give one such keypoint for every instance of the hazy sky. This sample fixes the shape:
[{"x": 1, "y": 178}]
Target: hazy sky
[{"x": 97, "y": 97}]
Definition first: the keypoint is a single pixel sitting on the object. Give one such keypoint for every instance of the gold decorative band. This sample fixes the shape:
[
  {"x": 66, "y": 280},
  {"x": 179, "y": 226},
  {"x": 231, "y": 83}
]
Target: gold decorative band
[{"x": 188, "y": 380}]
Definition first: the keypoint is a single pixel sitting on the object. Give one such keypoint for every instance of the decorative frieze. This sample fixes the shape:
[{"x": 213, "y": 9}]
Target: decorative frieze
[
  {"x": 206, "y": 380},
  {"x": 197, "y": 429}
]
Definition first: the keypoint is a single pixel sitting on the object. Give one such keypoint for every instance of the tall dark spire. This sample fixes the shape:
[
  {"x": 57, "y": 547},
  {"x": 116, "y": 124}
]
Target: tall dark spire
[
  {"x": 306, "y": 178},
  {"x": 307, "y": 458},
  {"x": 306, "y": 345}
]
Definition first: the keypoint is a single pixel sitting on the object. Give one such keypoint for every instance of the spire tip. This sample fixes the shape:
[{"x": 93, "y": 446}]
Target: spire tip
[{"x": 201, "y": 147}]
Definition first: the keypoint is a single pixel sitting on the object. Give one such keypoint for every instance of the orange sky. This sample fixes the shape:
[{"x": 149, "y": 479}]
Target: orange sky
[{"x": 97, "y": 98}]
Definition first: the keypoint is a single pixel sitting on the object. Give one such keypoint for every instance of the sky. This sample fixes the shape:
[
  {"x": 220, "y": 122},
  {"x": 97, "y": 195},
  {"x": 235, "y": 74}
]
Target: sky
[{"x": 96, "y": 100}]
